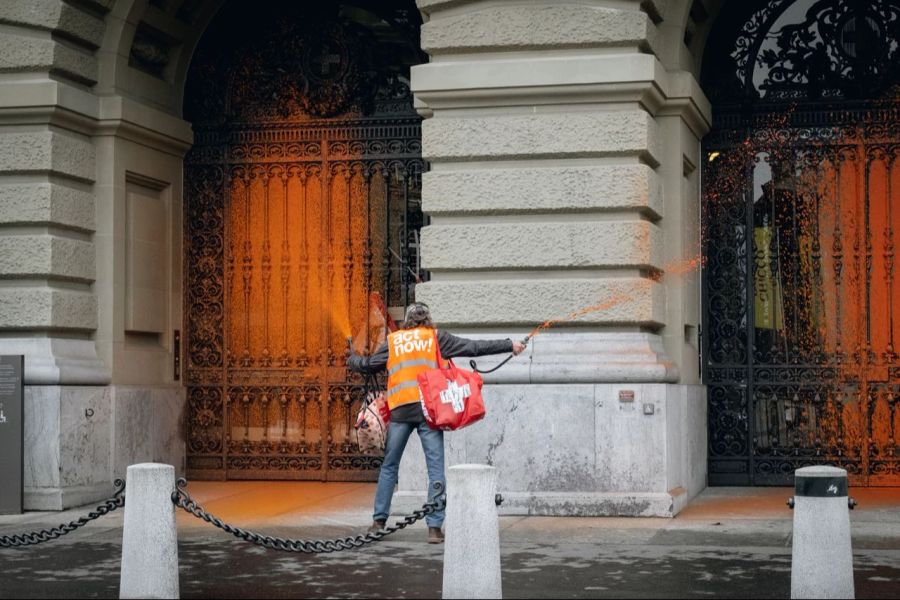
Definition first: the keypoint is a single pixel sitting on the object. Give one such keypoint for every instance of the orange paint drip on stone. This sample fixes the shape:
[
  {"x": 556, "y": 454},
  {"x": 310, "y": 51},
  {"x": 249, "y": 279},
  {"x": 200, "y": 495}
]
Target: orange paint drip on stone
[
  {"x": 614, "y": 301},
  {"x": 674, "y": 269}
]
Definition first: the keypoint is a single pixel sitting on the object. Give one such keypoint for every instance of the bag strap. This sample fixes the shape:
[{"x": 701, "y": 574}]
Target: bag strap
[
  {"x": 437, "y": 347},
  {"x": 440, "y": 359},
  {"x": 370, "y": 387}
]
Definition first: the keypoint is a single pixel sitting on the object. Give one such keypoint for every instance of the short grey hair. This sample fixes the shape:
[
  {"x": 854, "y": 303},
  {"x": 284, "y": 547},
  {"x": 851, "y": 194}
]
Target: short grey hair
[{"x": 418, "y": 315}]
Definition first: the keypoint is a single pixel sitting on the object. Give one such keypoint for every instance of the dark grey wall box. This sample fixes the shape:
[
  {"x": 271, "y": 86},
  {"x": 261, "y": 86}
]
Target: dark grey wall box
[{"x": 12, "y": 432}]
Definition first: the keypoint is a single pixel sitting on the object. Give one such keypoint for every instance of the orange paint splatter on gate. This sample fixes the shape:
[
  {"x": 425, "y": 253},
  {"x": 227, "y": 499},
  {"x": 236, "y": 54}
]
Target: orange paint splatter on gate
[{"x": 818, "y": 232}]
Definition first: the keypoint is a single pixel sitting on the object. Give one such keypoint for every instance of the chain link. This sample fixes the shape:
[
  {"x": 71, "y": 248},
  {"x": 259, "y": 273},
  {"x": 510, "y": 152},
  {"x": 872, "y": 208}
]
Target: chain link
[
  {"x": 45, "y": 535},
  {"x": 182, "y": 499}
]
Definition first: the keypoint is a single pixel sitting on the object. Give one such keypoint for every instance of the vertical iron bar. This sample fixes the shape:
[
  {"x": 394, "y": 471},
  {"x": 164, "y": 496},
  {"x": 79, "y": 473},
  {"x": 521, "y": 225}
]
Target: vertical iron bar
[
  {"x": 867, "y": 233},
  {"x": 405, "y": 265},
  {"x": 367, "y": 273},
  {"x": 889, "y": 256},
  {"x": 819, "y": 292},
  {"x": 749, "y": 272},
  {"x": 838, "y": 256},
  {"x": 304, "y": 266},
  {"x": 228, "y": 180},
  {"x": 247, "y": 268},
  {"x": 386, "y": 176},
  {"x": 793, "y": 346},
  {"x": 266, "y": 267},
  {"x": 348, "y": 246},
  {"x": 176, "y": 355},
  {"x": 865, "y": 388},
  {"x": 326, "y": 279},
  {"x": 285, "y": 266}
]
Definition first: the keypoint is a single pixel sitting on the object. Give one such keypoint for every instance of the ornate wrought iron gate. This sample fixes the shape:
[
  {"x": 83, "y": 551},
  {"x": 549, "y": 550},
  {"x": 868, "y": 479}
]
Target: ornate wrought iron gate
[
  {"x": 302, "y": 212},
  {"x": 800, "y": 209}
]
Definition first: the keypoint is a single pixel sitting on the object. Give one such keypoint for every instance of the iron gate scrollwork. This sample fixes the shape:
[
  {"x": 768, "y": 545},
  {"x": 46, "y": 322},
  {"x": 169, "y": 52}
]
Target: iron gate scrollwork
[
  {"x": 800, "y": 212},
  {"x": 302, "y": 211}
]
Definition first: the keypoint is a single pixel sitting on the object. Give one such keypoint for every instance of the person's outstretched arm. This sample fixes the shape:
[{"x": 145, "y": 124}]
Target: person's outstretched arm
[
  {"x": 369, "y": 364},
  {"x": 453, "y": 346}
]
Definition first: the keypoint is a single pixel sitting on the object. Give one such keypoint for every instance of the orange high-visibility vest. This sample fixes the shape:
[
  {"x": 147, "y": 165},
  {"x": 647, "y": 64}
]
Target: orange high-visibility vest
[{"x": 410, "y": 352}]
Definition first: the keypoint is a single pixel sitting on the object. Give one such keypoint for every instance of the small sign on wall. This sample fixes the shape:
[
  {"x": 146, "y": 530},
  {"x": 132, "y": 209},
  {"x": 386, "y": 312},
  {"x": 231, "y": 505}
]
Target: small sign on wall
[
  {"x": 626, "y": 395},
  {"x": 12, "y": 432}
]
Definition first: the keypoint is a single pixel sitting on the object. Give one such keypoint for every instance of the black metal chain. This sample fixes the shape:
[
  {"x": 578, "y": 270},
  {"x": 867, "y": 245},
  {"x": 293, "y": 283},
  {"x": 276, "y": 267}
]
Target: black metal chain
[
  {"x": 45, "y": 535},
  {"x": 182, "y": 499}
]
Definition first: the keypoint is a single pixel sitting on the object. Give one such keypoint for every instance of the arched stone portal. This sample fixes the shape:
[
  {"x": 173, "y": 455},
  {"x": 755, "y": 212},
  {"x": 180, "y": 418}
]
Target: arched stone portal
[
  {"x": 302, "y": 218},
  {"x": 801, "y": 210}
]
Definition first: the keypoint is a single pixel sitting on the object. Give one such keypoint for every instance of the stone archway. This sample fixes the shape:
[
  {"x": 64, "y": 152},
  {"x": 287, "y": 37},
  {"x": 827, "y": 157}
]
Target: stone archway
[{"x": 302, "y": 196}]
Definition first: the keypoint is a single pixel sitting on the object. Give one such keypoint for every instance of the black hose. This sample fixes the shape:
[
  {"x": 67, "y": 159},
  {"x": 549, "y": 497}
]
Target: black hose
[{"x": 475, "y": 368}]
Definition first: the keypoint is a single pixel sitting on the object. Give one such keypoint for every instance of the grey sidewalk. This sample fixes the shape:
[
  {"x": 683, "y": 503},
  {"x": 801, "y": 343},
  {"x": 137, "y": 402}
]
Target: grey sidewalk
[{"x": 731, "y": 542}]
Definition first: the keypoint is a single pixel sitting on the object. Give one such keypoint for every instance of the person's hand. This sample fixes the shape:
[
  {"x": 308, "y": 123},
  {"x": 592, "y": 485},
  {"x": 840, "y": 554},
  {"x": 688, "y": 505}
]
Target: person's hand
[{"x": 518, "y": 348}]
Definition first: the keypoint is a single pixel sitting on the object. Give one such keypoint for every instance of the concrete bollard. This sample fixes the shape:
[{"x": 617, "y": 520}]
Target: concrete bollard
[
  {"x": 822, "y": 558},
  {"x": 149, "y": 538},
  {"x": 472, "y": 544}
]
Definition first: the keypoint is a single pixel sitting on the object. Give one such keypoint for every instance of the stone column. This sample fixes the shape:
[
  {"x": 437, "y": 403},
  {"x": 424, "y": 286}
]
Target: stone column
[
  {"x": 563, "y": 159},
  {"x": 90, "y": 200},
  {"x": 48, "y": 305}
]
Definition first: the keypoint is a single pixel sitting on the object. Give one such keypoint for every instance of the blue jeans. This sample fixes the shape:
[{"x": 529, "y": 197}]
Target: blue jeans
[{"x": 433, "y": 445}]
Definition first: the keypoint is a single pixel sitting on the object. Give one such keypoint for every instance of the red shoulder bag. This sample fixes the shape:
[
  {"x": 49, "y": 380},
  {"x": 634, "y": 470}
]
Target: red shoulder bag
[{"x": 451, "y": 397}]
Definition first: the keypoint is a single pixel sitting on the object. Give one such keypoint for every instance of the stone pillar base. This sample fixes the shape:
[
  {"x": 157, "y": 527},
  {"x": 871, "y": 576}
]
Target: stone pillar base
[
  {"x": 49, "y": 360},
  {"x": 79, "y": 439},
  {"x": 61, "y": 498},
  {"x": 570, "y": 504},
  {"x": 581, "y": 449}
]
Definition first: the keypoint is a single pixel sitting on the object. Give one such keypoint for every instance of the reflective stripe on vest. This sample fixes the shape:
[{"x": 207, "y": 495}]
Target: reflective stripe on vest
[
  {"x": 402, "y": 386},
  {"x": 410, "y": 352},
  {"x": 431, "y": 364}
]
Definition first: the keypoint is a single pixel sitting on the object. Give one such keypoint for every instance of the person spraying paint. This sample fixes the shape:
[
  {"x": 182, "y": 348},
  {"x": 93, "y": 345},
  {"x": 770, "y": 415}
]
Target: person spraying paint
[{"x": 406, "y": 353}]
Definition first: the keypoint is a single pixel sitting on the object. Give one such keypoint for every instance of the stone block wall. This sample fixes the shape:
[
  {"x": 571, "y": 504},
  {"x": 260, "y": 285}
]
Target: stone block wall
[
  {"x": 563, "y": 161},
  {"x": 548, "y": 164},
  {"x": 527, "y": 129},
  {"x": 48, "y": 308},
  {"x": 64, "y": 163}
]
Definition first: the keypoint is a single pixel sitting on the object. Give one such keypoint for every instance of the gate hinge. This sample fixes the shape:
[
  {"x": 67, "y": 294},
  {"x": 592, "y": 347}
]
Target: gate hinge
[
  {"x": 176, "y": 352},
  {"x": 700, "y": 352}
]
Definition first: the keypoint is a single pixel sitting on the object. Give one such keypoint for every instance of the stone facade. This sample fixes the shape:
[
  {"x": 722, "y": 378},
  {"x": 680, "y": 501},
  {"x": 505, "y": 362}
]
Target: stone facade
[
  {"x": 76, "y": 159},
  {"x": 564, "y": 156},
  {"x": 563, "y": 138}
]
